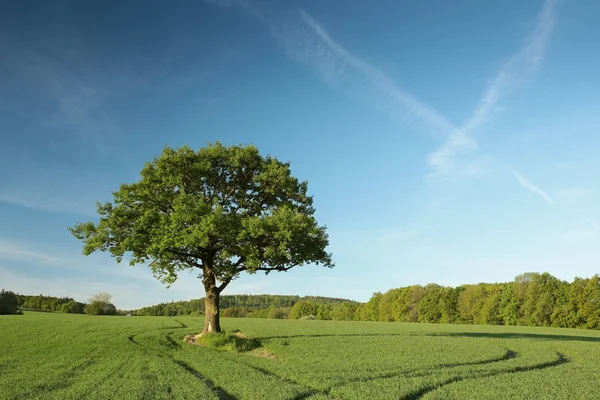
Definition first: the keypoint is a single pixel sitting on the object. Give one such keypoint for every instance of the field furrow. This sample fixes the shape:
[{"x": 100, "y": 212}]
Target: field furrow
[{"x": 85, "y": 357}]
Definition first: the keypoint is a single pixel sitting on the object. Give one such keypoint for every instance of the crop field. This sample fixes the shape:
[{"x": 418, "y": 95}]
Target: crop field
[{"x": 67, "y": 356}]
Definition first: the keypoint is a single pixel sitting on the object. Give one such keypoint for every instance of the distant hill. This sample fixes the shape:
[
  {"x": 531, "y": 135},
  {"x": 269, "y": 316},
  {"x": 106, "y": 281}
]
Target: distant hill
[{"x": 246, "y": 301}]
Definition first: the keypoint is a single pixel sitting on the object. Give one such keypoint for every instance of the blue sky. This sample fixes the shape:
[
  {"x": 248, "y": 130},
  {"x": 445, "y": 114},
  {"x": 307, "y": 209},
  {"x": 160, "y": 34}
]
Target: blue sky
[{"x": 448, "y": 142}]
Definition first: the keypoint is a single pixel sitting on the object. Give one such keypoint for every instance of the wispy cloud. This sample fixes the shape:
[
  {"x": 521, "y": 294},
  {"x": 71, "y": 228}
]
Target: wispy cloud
[
  {"x": 340, "y": 68},
  {"x": 64, "y": 91},
  {"x": 40, "y": 201},
  {"x": 126, "y": 294},
  {"x": 525, "y": 183},
  {"x": 516, "y": 70},
  {"x": 582, "y": 216},
  {"x": 18, "y": 252},
  {"x": 443, "y": 160},
  {"x": 308, "y": 43}
]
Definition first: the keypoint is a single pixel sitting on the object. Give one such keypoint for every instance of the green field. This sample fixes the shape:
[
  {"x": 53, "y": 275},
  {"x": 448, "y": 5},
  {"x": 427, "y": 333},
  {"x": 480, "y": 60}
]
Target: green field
[{"x": 66, "y": 356}]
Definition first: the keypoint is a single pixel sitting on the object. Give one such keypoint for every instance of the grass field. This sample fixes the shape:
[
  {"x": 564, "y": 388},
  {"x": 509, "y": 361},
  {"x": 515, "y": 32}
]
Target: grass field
[{"x": 64, "y": 356}]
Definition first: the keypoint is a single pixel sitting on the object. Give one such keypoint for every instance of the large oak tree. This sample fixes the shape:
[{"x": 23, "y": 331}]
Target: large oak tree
[{"x": 219, "y": 210}]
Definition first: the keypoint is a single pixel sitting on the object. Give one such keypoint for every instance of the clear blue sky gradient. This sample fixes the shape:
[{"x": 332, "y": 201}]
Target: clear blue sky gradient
[{"x": 448, "y": 142}]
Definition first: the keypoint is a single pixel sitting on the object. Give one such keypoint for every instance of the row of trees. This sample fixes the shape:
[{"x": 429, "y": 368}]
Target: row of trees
[
  {"x": 307, "y": 308},
  {"x": 99, "y": 304},
  {"x": 532, "y": 299},
  {"x": 240, "y": 305},
  {"x": 50, "y": 303}
]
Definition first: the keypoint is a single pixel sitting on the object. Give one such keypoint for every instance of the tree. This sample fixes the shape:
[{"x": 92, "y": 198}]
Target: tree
[
  {"x": 100, "y": 308},
  {"x": 344, "y": 311},
  {"x": 590, "y": 306},
  {"x": 71, "y": 307},
  {"x": 100, "y": 304},
  {"x": 429, "y": 306},
  {"x": 219, "y": 210},
  {"x": 101, "y": 297},
  {"x": 303, "y": 308},
  {"x": 9, "y": 303}
]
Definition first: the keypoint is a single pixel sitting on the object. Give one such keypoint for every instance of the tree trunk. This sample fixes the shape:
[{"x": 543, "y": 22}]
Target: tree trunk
[{"x": 212, "y": 323}]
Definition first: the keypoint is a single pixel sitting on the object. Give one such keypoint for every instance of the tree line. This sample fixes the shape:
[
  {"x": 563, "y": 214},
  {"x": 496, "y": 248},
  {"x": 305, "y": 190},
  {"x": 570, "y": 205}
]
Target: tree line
[
  {"x": 532, "y": 299},
  {"x": 307, "y": 308},
  {"x": 13, "y": 303},
  {"x": 241, "y": 305},
  {"x": 50, "y": 303}
]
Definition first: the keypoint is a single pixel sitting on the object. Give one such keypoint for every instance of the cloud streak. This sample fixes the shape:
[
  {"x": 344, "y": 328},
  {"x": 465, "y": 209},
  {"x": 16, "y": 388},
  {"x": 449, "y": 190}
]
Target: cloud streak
[
  {"x": 14, "y": 251},
  {"x": 308, "y": 43},
  {"x": 45, "y": 202},
  {"x": 516, "y": 71},
  {"x": 66, "y": 92},
  {"x": 525, "y": 183}
]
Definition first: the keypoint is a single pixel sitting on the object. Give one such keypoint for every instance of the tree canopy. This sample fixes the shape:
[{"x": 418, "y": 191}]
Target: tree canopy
[
  {"x": 222, "y": 210},
  {"x": 534, "y": 299},
  {"x": 9, "y": 303}
]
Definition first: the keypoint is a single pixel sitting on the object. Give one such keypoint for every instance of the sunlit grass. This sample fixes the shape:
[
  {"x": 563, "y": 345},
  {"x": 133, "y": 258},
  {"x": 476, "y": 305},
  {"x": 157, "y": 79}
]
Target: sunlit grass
[{"x": 63, "y": 356}]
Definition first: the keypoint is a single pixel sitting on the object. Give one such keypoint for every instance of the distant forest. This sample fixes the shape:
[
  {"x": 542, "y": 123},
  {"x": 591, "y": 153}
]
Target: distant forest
[
  {"x": 531, "y": 299},
  {"x": 239, "y": 305},
  {"x": 49, "y": 303}
]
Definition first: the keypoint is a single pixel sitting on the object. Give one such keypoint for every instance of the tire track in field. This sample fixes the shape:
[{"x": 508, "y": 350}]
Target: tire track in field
[
  {"x": 509, "y": 355},
  {"x": 180, "y": 323},
  {"x": 323, "y": 335},
  {"x": 221, "y": 393},
  {"x": 309, "y": 390},
  {"x": 62, "y": 381},
  {"x": 418, "y": 394},
  {"x": 104, "y": 379}
]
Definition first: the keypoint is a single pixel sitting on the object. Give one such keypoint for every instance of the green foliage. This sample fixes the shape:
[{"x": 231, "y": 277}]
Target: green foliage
[
  {"x": 101, "y": 297},
  {"x": 235, "y": 312},
  {"x": 50, "y": 303},
  {"x": 224, "y": 210},
  {"x": 100, "y": 308},
  {"x": 9, "y": 303},
  {"x": 229, "y": 341},
  {"x": 304, "y": 308},
  {"x": 72, "y": 307},
  {"x": 344, "y": 311},
  {"x": 237, "y": 305},
  {"x": 278, "y": 313},
  {"x": 532, "y": 299},
  {"x": 323, "y": 312},
  {"x": 88, "y": 357},
  {"x": 221, "y": 210}
]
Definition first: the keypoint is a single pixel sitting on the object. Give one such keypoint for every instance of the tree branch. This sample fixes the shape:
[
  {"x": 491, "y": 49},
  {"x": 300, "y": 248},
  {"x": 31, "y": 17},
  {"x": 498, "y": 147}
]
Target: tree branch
[
  {"x": 239, "y": 262},
  {"x": 224, "y": 284},
  {"x": 276, "y": 268},
  {"x": 184, "y": 254}
]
